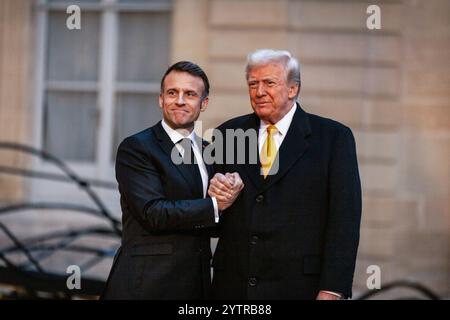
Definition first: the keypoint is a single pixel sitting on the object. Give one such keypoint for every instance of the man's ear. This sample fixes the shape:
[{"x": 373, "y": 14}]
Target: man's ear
[
  {"x": 294, "y": 89},
  {"x": 204, "y": 104},
  {"x": 160, "y": 100}
]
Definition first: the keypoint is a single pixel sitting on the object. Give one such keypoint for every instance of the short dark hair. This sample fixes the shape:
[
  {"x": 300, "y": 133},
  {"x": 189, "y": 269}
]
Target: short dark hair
[{"x": 191, "y": 68}]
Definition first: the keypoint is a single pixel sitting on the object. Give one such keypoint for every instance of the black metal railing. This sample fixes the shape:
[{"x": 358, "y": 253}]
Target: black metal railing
[
  {"x": 420, "y": 291},
  {"x": 29, "y": 278}
]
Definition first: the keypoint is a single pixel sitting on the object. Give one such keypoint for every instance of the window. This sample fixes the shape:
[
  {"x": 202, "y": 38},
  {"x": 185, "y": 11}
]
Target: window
[{"x": 99, "y": 84}]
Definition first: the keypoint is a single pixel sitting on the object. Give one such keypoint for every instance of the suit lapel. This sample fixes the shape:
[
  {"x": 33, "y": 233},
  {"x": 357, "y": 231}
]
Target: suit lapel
[
  {"x": 185, "y": 169},
  {"x": 293, "y": 147}
]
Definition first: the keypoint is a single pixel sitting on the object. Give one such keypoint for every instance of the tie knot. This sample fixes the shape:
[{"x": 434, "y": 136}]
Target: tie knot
[
  {"x": 187, "y": 153},
  {"x": 271, "y": 129}
]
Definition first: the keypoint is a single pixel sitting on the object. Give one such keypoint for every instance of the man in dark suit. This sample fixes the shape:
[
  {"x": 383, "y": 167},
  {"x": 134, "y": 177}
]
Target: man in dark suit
[
  {"x": 293, "y": 232},
  {"x": 165, "y": 251}
]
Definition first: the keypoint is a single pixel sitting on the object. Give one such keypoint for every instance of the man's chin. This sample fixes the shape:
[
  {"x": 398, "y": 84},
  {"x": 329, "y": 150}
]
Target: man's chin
[
  {"x": 263, "y": 111},
  {"x": 182, "y": 122},
  {"x": 185, "y": 125},
  {"x": 264, "y": 116}
]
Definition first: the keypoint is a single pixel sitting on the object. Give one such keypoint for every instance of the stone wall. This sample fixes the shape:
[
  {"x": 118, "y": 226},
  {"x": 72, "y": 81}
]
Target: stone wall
[
  {"x": 391, "y": 86},
  {"x": 15, "y": 58}
]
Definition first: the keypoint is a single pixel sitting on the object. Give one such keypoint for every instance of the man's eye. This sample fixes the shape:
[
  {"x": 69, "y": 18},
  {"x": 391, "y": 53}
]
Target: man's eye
[
  {"x": 252, "y": 84},
  {"x": 171, "y": 93},
  {"x": 191, "y": 94}
]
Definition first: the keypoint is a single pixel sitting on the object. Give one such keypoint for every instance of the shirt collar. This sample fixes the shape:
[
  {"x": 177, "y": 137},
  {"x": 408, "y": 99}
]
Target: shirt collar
[
  {"x": 174, "y": 135},
  {"x": 284, "y": 123}
]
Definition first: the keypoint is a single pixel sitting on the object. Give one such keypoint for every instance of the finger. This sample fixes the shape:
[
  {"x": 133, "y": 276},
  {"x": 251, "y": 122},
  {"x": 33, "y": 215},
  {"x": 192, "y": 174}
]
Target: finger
[
  {"x": 230, "y": 178},
  {"x": 237, "y": 177},
  {"x": 218, "y": 185},
  {"x": 214, "y": 189},
  {"x": 212, "y": 192},
  {"x": 222, "y": 188},
  {"x": 220, "y": 191},
  {"x": 223, "y": 180},
  {"x": 218, "y": 197},
  {"x": 218, "y": 175},
  {"x": 221, "y": 198},
  {"x": 238, "y": 185},
  {"x": 215, "y": 181}
]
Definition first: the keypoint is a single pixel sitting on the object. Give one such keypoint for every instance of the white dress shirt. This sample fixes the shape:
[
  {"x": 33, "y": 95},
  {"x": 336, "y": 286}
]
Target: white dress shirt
[
  {"x": 282, "y": 125},
  {"x": 175, "y": 137}
]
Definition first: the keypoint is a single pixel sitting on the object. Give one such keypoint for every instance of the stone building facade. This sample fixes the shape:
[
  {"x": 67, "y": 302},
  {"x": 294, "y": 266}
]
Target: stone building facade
[{"x": 391, "y": 86}]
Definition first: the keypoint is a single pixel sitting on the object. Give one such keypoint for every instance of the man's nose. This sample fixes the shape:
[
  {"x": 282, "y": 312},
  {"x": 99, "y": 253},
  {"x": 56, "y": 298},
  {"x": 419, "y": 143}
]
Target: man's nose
[
  {"x": 180, "y": 99},
  {"x": 261, "y": 90}
]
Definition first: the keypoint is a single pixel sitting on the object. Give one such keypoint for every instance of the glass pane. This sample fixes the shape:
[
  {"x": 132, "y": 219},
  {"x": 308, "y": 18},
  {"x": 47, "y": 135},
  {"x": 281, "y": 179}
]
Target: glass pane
[
  {"x": 143, "y": 53},
  {"x": 73, "y": 54},
  {"x": 134, "y": 113},
  {"x": 70, "y": 125}
]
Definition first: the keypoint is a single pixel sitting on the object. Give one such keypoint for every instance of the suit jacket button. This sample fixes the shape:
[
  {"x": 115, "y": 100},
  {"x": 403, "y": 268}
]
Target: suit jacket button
[
  {"x": 254, "y": 240},
  {"x": 259, "y": 198},
  {"x": 252, "y": 282}
]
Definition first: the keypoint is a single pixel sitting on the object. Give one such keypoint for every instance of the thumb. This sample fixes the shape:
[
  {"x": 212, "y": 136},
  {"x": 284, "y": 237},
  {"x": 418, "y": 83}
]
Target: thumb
[{"x": 230, "y": 177}]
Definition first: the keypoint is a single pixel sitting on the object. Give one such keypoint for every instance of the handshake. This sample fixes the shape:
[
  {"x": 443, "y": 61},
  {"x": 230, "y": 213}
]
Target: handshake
[{"x": 225, "y": 188}]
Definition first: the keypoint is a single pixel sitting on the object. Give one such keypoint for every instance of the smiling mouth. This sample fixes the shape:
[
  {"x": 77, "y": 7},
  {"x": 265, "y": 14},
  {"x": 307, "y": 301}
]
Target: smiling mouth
[{"x": 180, "y": 111}]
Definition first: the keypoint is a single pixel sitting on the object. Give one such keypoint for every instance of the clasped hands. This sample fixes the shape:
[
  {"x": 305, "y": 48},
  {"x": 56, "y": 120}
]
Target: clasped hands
[{"x": 225, "y": 188}]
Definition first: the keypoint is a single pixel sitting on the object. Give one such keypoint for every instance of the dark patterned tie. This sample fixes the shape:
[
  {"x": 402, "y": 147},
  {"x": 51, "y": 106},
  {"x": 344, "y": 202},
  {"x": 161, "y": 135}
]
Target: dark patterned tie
[{"x": 191, "y": 163}]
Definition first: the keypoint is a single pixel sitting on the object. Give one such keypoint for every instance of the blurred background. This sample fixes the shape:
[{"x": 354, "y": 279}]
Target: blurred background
[{"x": 68, "y": 97}]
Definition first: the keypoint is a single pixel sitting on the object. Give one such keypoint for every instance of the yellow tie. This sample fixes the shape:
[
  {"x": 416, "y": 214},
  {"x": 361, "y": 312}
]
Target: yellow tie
[{"x": 269, "y": 151}]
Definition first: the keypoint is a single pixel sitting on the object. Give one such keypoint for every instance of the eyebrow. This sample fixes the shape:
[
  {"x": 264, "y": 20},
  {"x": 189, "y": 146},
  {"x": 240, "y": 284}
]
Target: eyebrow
[
  {"x": 178, "y": 89},
  {"x": 185, "y": 90},
  {"x": 270, "y": 78}
]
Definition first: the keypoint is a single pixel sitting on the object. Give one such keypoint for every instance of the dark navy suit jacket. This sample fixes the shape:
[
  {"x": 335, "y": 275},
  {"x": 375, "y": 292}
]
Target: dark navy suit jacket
[
  {"x": 165, "y": 251},
  {"x": 296, "y": 232}
]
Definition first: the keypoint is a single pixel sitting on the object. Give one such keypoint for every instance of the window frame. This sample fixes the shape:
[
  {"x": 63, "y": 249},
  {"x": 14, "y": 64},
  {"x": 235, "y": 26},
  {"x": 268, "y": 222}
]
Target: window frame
[{"x": 106, "y": 87}]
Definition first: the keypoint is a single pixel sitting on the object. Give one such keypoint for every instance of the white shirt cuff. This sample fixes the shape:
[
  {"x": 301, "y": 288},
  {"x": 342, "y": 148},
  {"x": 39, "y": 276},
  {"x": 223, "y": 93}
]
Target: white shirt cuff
[
  {"x": 216, "y": 209},
  {"x": 333, "y": 293}
]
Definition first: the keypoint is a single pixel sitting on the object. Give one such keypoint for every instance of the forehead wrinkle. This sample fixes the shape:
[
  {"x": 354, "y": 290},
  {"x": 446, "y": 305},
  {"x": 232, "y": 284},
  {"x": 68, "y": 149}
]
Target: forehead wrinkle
[{"x": 264, "y": 78}]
